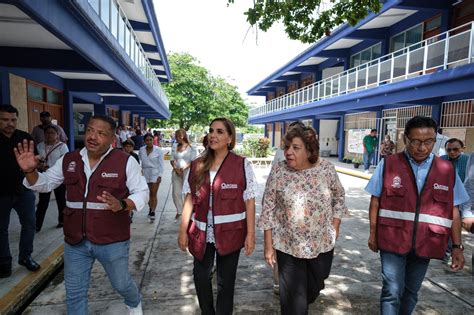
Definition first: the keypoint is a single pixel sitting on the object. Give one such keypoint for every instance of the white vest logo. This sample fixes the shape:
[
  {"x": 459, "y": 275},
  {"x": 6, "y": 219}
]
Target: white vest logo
[
  {"x": 440, "y": 187},
  {"x": 397, "y": 182},
  {"x": 71, "y": 168},
  {"x": 228, "y": 186},
  {"x": 109, "y": 175}
]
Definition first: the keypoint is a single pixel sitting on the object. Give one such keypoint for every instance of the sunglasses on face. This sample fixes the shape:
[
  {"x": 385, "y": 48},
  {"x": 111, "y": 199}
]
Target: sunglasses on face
[{"x": 453, "y": 149}]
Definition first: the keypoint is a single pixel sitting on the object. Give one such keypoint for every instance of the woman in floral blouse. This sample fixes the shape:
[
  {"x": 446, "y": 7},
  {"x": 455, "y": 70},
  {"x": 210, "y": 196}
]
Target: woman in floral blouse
[{"x": 302, "y": 210}]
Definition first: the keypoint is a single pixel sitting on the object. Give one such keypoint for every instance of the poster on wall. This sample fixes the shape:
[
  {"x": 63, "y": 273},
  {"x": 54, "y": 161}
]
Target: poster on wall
[
  {"x": 80, "y": 122},
  {"x": 355, "y": 139}
]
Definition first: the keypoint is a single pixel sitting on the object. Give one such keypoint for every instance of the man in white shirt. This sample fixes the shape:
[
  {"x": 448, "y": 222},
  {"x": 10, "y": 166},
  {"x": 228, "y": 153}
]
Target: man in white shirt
[{"x": 100, "y": 197}]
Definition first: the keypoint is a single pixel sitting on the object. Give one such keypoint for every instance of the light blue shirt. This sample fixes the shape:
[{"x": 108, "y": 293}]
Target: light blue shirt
[
  {"x": 467, "y": 209},
  {"x": 374, "y": 187}
]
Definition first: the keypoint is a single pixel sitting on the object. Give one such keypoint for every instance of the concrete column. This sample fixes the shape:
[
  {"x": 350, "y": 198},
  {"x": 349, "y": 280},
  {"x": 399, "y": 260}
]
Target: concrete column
[
  {"x": 69, "y": 118},
  {"x": 5, "y": 86},
  {"x": 316, "y": 123},
  {"x": 342, "y": 140},
  {"x": 99, "y": 109}
]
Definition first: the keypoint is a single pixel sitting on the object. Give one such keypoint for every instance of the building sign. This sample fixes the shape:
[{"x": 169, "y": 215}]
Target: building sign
[{"x": 355, "y": 139}]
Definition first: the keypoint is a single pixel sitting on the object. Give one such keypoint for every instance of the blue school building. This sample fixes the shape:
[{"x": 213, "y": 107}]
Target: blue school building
[
  {"x": 414, "y": 57},
  {"x": 77, "y": 58}
]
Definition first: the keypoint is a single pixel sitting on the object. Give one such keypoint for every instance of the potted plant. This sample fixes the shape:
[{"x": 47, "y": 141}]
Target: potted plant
[{"x": 357, "y": 161}]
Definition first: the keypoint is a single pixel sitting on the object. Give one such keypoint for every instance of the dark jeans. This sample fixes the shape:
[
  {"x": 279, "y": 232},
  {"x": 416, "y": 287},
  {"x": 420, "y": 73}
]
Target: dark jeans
[
  {"x": 24, "y": 205},
  {"x": 301, "y": 280},
  {"x": 43, "y": 204},
  {"x": 226, "y": 271}
]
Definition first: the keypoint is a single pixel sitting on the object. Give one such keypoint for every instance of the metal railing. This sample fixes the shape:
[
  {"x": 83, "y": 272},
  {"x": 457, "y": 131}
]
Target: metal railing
[
  {"x": 114, "y": 18},
  {"x": 446, "y": 50}
]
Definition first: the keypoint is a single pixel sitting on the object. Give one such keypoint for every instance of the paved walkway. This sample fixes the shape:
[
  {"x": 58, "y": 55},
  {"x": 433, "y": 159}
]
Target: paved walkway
[{"x": 164, "y": 273}]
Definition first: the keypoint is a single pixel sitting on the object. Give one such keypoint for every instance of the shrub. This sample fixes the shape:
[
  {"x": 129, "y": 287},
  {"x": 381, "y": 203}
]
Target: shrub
[{"x": 256, "y": 147}]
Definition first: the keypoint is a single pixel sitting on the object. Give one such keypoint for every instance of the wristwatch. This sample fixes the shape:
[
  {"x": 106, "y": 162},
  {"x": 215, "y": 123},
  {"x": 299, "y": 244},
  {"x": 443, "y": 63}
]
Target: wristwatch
[
  {"x": 123, "y": 204},
  {"x": 460, "y": 246}
]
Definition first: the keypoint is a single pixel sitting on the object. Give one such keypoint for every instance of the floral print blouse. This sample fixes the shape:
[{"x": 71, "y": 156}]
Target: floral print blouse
[{"x": 299, "y": 205}]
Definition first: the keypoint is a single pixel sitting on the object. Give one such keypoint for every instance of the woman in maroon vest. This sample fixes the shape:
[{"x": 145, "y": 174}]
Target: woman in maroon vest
[{"x": 218, "y": 216}]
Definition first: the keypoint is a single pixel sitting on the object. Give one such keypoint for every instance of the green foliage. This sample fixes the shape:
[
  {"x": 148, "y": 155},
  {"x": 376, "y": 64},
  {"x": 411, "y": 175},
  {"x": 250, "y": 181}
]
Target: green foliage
[
  {"x": 256, "y": 129},
  {"x": 196, "y": 97},
  {"x": 256, "y": 147},
  {"x": 305, "y": 20}
]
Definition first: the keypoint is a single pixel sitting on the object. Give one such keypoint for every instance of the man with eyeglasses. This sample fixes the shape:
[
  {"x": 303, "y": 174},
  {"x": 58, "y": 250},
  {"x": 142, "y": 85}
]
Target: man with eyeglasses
[
  {"x": 454, "y": 149},
  {"x": 413, "y": 211}
]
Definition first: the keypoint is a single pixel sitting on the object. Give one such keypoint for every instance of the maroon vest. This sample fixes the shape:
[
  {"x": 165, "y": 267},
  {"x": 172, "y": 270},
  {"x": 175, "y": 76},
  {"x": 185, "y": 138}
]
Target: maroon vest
[
  {"x": 85, "y": 216},
  {"x": 230, "y": 224},
  {"x": 410, "y": 221}
]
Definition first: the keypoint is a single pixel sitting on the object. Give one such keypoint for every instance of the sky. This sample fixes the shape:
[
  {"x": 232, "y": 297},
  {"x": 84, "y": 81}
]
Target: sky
[{"x": 220, "y": 38}]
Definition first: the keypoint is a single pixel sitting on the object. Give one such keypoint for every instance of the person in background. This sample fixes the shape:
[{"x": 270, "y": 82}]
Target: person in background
[
  {"x": 440, "y": 144},
  {"x": 123, "y": 134},
  {"x": 412, "y": 212},
  {"x": 370, "y": 143},
  {"x": 102, "y": 186},
  {"x": 182, "y": 155},
  {"x": 13, "y": 195},
  {"x": 138, "y": 139},
  {"x": 118, "y": 142},
  {"x": 128, "y": 146},
  {"x": 303, "y": 205},
  {"x": 50, "y": 151},
  {"x": 38, "y": 131},
  {"x": 156, "y": 138},
  {"x": 218, "y": 216},
  {"x": 455, "y": 149},
  {"x": 467, "y": 209},
  {"x": 386, "y": 147},
  {"x": 151, "y": 157}
]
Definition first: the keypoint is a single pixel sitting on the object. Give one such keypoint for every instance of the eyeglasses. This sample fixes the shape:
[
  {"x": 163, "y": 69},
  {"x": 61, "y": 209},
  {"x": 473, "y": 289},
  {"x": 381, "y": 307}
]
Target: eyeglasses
[
  {"x": 419, "y": 143},
  {"x": 453, "y": 149}
]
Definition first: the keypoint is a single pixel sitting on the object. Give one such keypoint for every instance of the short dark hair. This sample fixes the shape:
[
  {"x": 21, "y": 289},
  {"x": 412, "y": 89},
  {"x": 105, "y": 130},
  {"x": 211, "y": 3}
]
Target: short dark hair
[
  {"x": 373, "y": 130},
  {"x": 128, "y": 142},
  {"x": 420, "y": 122},
  {"x": 148, "y": 135},
  {"x": 310, "y": 140},
  {"x": 7, "y": 108},
  {"x": 45, "y": 114},
  {"x": 452, "y": 140},
  {"x": 51, "y": 127},
  {"x": 107, "y": 119}
]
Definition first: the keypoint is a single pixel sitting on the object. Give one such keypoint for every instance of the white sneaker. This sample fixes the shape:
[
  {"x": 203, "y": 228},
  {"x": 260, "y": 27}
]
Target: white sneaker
[
  {"x": 135, "y": 310},
  {"x": 366, "y": 171}
]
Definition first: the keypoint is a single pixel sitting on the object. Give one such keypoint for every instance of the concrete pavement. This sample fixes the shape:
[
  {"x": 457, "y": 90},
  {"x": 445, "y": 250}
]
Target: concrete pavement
[{"x": 164, "y": 273}]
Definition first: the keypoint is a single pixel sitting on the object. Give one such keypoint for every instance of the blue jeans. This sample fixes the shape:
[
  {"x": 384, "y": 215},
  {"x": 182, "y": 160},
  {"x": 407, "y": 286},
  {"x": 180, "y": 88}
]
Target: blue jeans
[
  {"x": 368, "y": 159},
  {"x": 402, "y": 278},
  {"x": 78, "y": 261},
  {"x": 24, "y": 205}
]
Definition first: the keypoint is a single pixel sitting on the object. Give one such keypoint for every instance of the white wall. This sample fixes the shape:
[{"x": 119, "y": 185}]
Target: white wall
[{"x": 327, "y": 135}]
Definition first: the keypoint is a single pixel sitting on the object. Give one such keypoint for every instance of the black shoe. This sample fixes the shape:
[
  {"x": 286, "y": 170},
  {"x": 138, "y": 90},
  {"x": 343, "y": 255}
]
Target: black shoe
[
  {"x": 152, "y": 216},
  {"x": 60, "y": 225},
  {"x": 29, "y": 263},
  {"x": 5, "y": 271},
  {"x": 38, "y": 229}
]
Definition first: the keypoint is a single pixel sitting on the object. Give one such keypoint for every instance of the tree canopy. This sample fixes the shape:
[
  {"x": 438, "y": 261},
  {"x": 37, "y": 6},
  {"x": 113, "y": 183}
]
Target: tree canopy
[
  {"x": 308, "y": 20},
  {"x": 196, "y": 97}
]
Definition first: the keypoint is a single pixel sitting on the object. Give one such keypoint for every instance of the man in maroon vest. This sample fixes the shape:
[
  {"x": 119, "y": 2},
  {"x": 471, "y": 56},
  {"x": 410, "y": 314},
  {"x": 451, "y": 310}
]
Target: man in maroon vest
[
  {"x": 413, "y": 210},
  {"x": 103, "y": 185}
]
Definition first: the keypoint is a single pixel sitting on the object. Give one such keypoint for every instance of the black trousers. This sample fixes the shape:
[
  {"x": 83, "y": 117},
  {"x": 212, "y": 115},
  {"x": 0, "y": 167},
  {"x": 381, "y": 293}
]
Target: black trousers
[
  {"x": 301, "y": 280},
  {"x": 226, "y": 269},
  {"x": 43, "y": 204}
]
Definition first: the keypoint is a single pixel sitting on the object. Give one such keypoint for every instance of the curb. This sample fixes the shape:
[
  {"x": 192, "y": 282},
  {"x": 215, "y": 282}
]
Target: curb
[
  {"x": 20, "y": 294},
  {"x": 353, "y": 173}
]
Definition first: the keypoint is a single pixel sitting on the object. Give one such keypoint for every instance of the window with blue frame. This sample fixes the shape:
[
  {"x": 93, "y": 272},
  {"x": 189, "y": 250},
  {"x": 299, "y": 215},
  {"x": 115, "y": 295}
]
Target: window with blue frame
[
  {"x": 407, "y": 38},
  {"x": 366, "y": 55}
]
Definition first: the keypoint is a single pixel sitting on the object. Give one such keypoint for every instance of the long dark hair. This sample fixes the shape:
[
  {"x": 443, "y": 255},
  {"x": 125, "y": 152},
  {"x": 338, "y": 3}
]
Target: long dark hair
[{"x": 204, "y": 165}]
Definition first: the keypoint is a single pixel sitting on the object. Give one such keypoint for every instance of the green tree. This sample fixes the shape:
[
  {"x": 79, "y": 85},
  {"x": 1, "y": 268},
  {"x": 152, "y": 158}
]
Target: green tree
[
  {"x": 196, "y": 97},
  {"x": 308, "y": 20}
]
